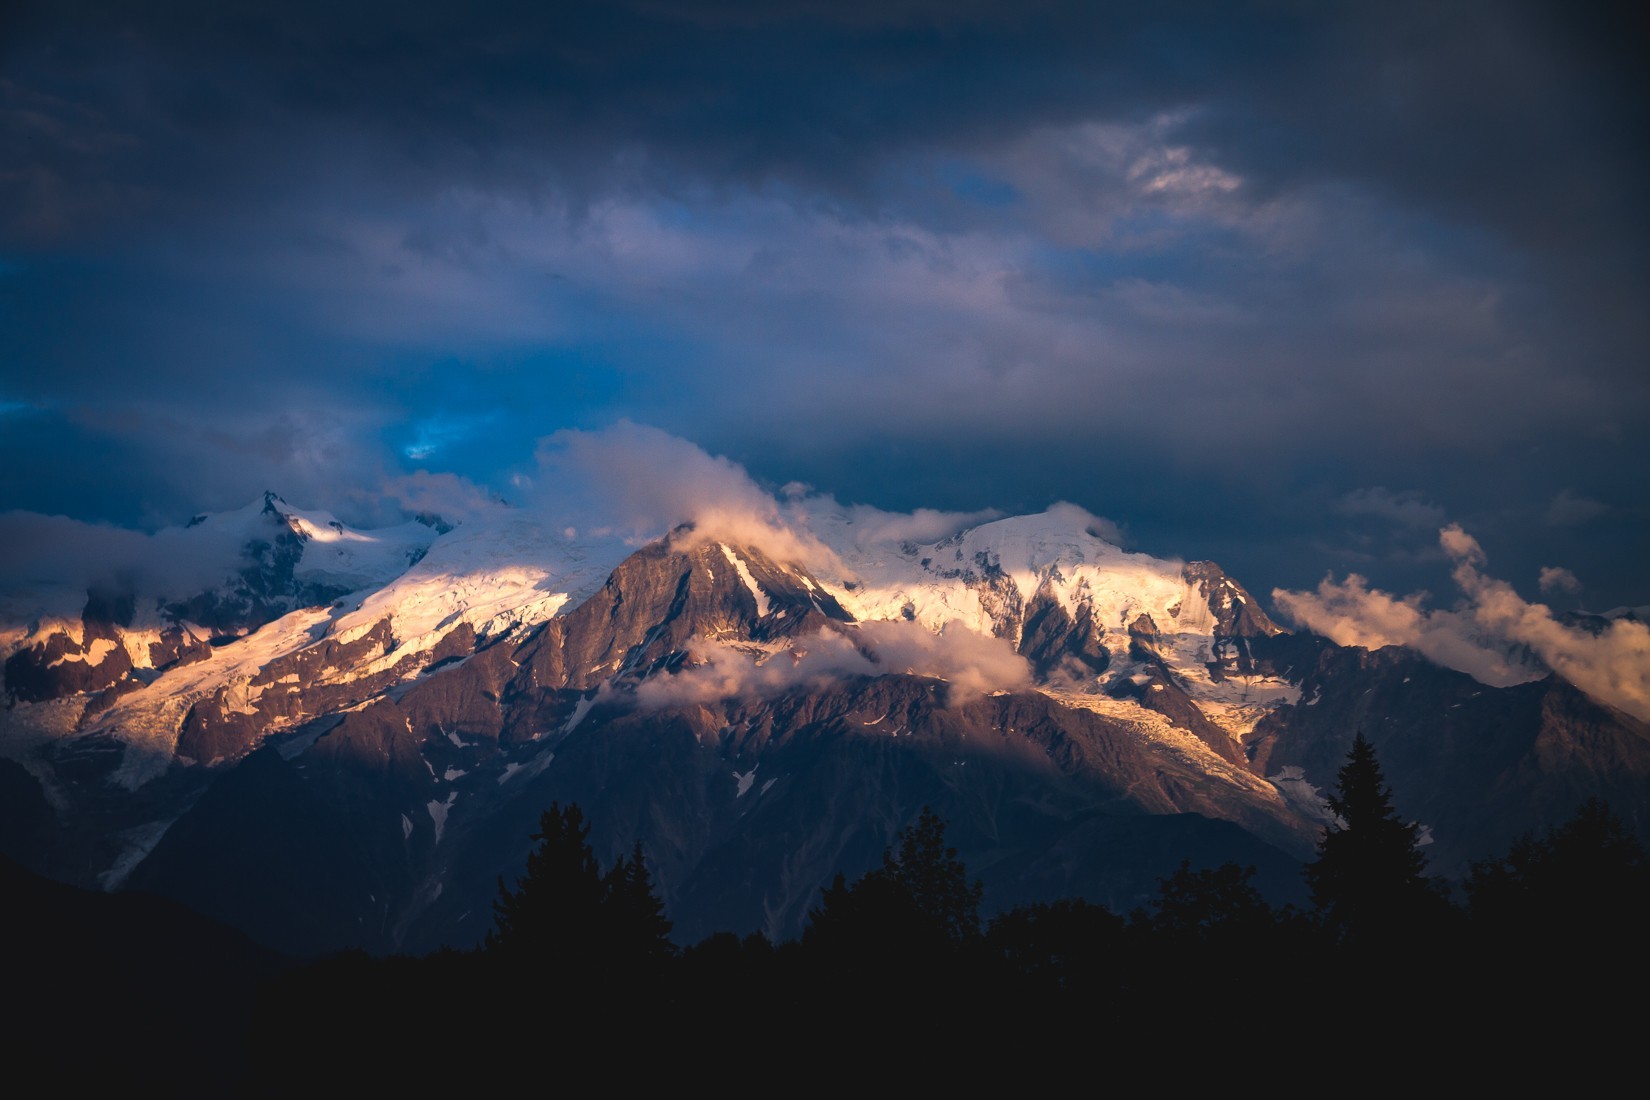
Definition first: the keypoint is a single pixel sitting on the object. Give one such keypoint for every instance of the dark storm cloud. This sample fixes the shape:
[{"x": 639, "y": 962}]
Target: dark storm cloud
[
  {"x": 1223, "y": 271},
  {"x": 1503, "y": 113},
  {"x": 508, "y": 92}
]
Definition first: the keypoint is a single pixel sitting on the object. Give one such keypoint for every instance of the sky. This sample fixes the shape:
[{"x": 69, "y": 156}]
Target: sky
[{"x": 1294, "y": 287}]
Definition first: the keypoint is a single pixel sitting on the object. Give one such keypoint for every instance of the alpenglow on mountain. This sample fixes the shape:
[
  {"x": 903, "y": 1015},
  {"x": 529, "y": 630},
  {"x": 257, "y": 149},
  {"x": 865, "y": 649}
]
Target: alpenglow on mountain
[{"x": 347, "y": 737}]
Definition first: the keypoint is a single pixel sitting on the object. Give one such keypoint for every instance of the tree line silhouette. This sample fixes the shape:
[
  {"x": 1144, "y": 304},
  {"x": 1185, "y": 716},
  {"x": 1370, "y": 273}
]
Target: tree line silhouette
[{"x": 580, "y": 961}]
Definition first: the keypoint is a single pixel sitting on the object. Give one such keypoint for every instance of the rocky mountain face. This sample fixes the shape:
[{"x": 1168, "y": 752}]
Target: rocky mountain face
[{"x": 364, "y": 767}]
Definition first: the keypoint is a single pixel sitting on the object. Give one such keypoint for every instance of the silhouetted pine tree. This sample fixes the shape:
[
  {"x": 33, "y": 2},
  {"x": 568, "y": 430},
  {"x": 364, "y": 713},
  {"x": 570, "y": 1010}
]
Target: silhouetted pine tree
[
  {"x": 898, "y": 931},
  {"x": 564, "y": 915},
  {"x": 633, "y": 917},
  {"x": 1588, "y": 878},
  {"x": 1367, "y": 882},
  {"x": 928, "y": 870},
  {"x": 919, "y": 905},
  {"x": 555, "y": 911},
  {"x": 1218, "y": 905},
  {"x": 1560, "y": 921}
]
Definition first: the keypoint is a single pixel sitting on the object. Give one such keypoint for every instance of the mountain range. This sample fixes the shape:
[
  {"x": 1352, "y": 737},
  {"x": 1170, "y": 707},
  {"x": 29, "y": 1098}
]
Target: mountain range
[{"x": 345, "y": 738}]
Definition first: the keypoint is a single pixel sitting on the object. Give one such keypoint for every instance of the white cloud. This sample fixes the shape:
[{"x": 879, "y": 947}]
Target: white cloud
[
  {"x": 38, "y": 551},
  {"x": 1557, "y": 579},
  {"x": 870, "y": 526},
  {"x": 1351, "y": 613},
  {"x": 972, "y": 663},
  {"x": 1484, "y": 636},
  {"x": 644, "y": 482},
  {"x": 1613, "y": 666},
  {"x": 455, "y": 499}
]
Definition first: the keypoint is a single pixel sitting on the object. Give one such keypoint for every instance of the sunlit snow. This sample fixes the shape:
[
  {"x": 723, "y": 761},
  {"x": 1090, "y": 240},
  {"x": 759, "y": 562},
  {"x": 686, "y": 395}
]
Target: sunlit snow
[
  {"x": 982, "y": 578},
  {"x": 95, "y": 652},
  {"x": 507, "y": 573},
  {"x": 750, "y": 581}
]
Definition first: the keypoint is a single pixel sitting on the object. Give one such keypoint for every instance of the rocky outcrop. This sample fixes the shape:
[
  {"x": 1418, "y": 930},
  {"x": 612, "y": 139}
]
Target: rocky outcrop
[
  {"x": 314, "y": 682},
  {"x": 1237, "y": 614},
  {"x": 664, "y": 597},
  {"x": 1052, "y": 638},
  {"x": 60, "y": 666}
]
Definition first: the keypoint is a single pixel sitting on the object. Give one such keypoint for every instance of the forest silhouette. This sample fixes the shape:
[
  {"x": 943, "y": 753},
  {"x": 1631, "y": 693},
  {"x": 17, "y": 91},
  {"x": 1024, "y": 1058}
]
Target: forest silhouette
[{"x": 897, "y": 969}]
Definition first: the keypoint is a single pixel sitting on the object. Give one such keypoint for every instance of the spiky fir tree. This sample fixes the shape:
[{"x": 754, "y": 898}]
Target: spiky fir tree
[{"x": 1368, "y": 882}]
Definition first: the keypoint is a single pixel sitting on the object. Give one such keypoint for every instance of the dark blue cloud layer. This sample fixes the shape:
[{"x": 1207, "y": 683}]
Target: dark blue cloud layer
[{"x": 1211, "y": 269}]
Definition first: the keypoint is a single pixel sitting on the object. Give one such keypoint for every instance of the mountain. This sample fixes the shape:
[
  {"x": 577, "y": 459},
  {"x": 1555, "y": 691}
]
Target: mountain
[
  {"x": 263, "y": 562},
  {"x": 760, "y": 711}
]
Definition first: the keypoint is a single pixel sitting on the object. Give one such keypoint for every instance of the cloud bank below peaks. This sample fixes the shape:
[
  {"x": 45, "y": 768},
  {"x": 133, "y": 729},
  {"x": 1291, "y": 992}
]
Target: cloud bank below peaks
[
  {"x": 972, "y": 663},
  {"x": 1493, "y": 635}
]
